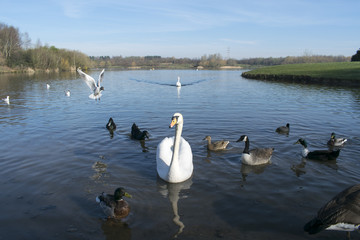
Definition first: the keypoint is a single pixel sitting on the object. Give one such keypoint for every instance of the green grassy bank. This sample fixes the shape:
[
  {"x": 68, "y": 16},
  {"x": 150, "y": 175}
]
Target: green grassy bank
[{"x": 335, "y": 73}]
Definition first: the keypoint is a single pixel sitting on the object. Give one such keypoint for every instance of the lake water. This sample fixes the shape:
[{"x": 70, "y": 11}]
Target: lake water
[{"x": 56, "y": 156}]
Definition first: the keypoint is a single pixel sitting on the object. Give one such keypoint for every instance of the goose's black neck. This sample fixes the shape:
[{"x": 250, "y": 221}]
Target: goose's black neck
[{"x": 247, "y": 145}]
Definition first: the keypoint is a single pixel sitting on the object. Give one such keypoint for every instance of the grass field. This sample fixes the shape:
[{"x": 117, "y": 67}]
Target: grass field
[{"x": 331, "y": 71}]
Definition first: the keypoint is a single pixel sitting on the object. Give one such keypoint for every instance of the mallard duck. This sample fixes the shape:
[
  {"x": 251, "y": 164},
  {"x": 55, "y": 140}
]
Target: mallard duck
[
  {"x": 95, "y": 87},
  {"x": 283, "y": 129},
  {"x": 255, "y": 156},
  {"x": 7, "y": 99},
  {"x": 336, "y": 142},
  {"x": 136, "y": 133},
  {"x": 218, "y": 145},
  {"x": 114, "y": 206},
  {"x": 178, "y": 83},
  {"x": 322, "y": 155},
  {"x": 111, "y": 126},
  {"x": 341, "y": 213},
  {"x": 174, "y": 160}
]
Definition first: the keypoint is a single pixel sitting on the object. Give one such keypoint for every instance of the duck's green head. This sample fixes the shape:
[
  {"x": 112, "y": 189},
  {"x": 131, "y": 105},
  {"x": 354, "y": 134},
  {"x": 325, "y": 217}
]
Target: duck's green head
[
  {"x": 332, "y": 135},
  {"x": 302, "y": 142},
  {"x": 119, "y": 193}
]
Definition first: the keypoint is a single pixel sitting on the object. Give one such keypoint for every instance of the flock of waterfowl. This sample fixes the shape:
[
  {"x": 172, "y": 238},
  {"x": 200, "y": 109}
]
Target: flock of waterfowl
[{"x": 174, "y": 164}]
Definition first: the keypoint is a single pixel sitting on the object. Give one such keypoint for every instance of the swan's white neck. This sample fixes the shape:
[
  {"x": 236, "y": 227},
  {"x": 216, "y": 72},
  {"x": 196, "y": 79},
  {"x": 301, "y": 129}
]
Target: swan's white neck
[{"x": 174, "y": 165}]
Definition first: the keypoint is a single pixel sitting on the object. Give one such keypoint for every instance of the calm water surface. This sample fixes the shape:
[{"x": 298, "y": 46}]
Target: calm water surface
[{"x": 56, "y": 156}]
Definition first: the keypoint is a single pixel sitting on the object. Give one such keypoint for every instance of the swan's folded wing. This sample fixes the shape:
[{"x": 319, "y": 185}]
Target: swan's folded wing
[
  {"x": 164, "y": 152},
  {"x": 185, "y": 156},
  {"x": 88, "y": 80}
]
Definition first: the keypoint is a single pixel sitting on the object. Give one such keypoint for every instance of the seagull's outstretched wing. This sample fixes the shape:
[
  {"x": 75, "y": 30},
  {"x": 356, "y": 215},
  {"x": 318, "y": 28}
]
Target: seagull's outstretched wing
[
  {"x": 101, "y": 76},
  {"x": 88, "y": 79}
]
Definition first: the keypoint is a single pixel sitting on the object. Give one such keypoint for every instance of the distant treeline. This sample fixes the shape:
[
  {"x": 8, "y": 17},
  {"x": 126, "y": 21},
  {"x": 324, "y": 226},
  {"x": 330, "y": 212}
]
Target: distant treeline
[
  {"x": 212, "y": 61},
  {"x": 207, "y": 61},
  {"x": 18, "y": 53},
  {"x": 293, "y": 60}
]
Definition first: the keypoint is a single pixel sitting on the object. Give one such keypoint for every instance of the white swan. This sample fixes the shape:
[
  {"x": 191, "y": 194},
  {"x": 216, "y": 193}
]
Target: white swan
[
  {"x": 95, "y": 87},
  {"x": 47, "y": 86},
  {"x": 174, "y": 161},
  {"x": 178, "y": 83},
  {"x": 67, "y": 93}
]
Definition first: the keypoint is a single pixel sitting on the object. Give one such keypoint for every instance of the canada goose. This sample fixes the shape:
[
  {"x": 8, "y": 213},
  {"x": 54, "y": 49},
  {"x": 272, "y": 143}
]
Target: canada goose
[
  {"x": 111, "y": 126},
  {"x": 174, "y": 160},
  {"x": 341, "y": 213},
  {"x": 283, "y": 129},
  {"x": 95, "y": 87},
  {"x": 114, "y": 206},
  {"x": 218, "y": 145},
  {"x": 322, "y": 155},
  {"x": 136, "y": 133},
  {"x": 336, "y": 142},
  {"x": 255, "y": 156}
]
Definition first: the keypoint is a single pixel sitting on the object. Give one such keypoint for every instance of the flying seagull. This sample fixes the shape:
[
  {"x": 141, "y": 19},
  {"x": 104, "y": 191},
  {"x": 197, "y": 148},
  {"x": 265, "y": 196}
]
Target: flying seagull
[{"x": 95, "y": 87}]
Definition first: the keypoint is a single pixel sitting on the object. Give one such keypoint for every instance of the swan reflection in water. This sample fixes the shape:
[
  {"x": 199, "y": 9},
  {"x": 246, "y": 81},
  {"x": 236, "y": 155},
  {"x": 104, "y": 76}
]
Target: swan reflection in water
[
  {"x": 172, "y": 191},
  {"x": 247, "y": 169},
  {"x": 178, "y": 91}
]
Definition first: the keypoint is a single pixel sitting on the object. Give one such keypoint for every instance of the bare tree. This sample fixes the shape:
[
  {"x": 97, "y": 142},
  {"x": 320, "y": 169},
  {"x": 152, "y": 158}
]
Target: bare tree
[{"x": 10, "y": 41}]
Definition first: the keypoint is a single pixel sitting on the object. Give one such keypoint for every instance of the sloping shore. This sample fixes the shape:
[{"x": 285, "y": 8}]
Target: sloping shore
[
  {"x": 331, "y": 74},
  {"x": 302, "y": 79}
]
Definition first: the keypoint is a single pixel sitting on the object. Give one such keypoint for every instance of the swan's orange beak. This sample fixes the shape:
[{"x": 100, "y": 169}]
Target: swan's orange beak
[{"x": 173, "y": 122}]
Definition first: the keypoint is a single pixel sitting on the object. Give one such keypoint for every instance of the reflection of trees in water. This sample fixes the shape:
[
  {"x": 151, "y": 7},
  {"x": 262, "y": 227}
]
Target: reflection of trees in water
[
  {"x": 172, "y": 191},
  {"x": 115, "y": 229}
]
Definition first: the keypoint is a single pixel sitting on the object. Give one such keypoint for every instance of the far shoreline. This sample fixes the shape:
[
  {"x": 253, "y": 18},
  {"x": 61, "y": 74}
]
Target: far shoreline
[
  {"x": 7, "y": 70},
  {"x": 345, "y": 74},
  {"x": 303, "y": 79}
]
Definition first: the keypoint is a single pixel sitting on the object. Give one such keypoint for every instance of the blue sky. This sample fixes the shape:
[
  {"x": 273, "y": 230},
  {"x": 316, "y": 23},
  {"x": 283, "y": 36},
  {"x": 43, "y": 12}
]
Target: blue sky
[{"x": 233, "y": 28}]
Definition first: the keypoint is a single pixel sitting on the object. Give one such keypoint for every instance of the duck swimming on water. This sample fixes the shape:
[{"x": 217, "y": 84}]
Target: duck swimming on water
[
  {"x": 283, "y": 129},
  {"x": 321, "y": 155},
  {"x": 111, "y": 126},
  {"x": 336, "y": 142},
  {"x": 218, "y": 145},
  {"x": 137, "y": 134},
  {"x": 114, "y": 206}
]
